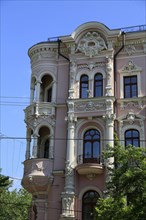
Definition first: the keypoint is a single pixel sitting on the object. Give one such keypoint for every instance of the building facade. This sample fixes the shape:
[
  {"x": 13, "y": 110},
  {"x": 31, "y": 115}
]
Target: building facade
[{"x": 83, "y": 87}]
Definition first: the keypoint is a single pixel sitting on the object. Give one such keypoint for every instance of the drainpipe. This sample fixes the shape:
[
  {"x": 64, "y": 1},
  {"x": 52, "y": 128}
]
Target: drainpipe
[
  {"x": 115, "y": 76},
  {"x": 115, "y": 56},
  {"x": 59, "y": 53}
]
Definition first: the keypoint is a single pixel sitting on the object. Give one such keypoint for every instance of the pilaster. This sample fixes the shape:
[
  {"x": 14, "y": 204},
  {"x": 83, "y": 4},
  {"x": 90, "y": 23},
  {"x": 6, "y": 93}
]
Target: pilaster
[{"x": 68, "y": 195}]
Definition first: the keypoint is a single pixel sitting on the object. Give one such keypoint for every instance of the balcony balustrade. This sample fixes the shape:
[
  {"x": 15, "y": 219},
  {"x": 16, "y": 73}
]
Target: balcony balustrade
[
  {"x": 87, "y": 164},
  {"x": 41, "y": 108}
]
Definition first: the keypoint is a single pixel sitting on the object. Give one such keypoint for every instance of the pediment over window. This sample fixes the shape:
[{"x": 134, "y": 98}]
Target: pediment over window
[
  {"x": 131, "y": 117},
  {"x": 130, "y": 67}
]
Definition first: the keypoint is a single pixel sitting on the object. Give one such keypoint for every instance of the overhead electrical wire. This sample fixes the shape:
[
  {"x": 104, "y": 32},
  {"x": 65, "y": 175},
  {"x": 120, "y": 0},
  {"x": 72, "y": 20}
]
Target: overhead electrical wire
[{"x": 61, "y": 139}]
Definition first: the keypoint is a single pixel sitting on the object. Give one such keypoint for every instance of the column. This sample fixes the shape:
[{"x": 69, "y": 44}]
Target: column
[
  {"x": 73, "y": 69},
  {"x": 27, "y": 155},
  {"x": 40, "y": 210},
  {"x": 110, "y": 117},
  {"x": 109, "y": 71},
  {"x": 54, "y": 89},
  {"x": 31, "y": 95},
  {"x": 68, "y": 195},
  {"x": 51, "y": 147},
  {"x": 38, "y": 86},
  {"x": 35, "y": 143}
]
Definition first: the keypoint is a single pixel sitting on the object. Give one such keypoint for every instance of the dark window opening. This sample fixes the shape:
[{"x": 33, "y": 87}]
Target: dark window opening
[
  {"x": 132, "y": 138},
  {"x": 130, "y": 86},
  {"x": 98, "y": 85},
  {"x": 49, "y": 95},
  {"x": 91, "y": 147},
  {"x": 46, "y": 149},
  {"x": 84, "y": 86},
  {"x": 89, "y": 201}
]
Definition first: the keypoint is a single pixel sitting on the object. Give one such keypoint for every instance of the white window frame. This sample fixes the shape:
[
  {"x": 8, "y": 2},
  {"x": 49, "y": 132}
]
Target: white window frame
[{"x": 126, "y": 70}]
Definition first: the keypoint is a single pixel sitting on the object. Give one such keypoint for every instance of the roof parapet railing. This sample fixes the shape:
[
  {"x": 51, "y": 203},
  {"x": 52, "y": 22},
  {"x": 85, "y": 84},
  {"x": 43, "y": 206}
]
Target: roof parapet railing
[{"x": 134, "y": 28}]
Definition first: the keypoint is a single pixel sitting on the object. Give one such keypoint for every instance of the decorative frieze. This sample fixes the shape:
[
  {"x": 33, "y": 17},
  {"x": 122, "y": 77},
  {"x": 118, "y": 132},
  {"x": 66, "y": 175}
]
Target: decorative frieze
[
  {"x": 91, "y": 65},
  {"x": 89, "y": 106},
  {"x": 137, "y": 104},
  {"x": 33, "y": 121},
  {"x": 130, "y": 49}
]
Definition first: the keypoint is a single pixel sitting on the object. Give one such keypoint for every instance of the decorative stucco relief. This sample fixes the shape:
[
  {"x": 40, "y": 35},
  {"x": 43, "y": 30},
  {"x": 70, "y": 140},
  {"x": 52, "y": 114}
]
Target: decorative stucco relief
[
  {"x": 130, "y": 49},
  {"x": 35, "y": 121},
  {"x": 91, "y": 65},
  {"x": 89, "y": 106},
  {"x": 132, "y": 104},
  {"x": 130, "y": 67},
  {"x": 91, "y": 44}
]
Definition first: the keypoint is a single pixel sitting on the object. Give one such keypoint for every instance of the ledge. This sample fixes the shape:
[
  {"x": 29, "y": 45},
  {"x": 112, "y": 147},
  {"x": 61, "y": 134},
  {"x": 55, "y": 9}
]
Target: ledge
[{"x": 89, "y": 168}]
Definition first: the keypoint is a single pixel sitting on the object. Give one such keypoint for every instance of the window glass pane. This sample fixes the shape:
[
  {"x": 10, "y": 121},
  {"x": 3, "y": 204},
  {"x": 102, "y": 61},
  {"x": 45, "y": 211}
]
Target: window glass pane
[
  {"x": 98, "y": 85},
  {"x": 98, "y": 77},
  {"x": 134, "y": 79},
  {"x": 126, "y": 80},
  {"x": 92, "y": 132},
  {"x": 87, "y": 150},
  {"x": 95, "y": 149},
  {"x": 84, "y": 86},
  {"x": 98, "y": 92},
  {"x": 136, "y": 143},
  {"x": 88, "y": 137},
  {"x": 84, "y": 78},
  {"x": 128, "y": 142},
  {"x": 135, "y": 133},
  {"x": 134, "y": 90},
  {"x": 96, "y": 137},
  {"x": 128, "y": 133}
]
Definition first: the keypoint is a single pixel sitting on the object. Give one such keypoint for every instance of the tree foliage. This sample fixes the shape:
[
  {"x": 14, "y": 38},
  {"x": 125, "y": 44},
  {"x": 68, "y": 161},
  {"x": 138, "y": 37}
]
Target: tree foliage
[
  {"x": 125, "y": 197},
  {"x": 13, "y": 204}
]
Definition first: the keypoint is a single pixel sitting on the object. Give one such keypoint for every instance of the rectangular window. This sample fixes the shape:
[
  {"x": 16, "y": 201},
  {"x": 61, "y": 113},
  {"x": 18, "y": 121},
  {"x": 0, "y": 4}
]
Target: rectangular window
[{"x": 130, "y": 86}]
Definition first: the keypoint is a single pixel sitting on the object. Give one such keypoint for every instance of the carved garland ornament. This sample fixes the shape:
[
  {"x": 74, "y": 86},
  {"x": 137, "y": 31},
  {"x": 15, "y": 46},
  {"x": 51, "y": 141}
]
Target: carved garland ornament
[{"x": 91, "y": 44}]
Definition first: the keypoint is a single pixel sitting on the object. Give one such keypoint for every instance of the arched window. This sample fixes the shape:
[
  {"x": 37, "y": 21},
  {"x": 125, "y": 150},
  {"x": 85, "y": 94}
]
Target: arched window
[
  {"x": 91, "y": 146},
  {"x": 46, "y": 88},
  {"x": 132, "y": 137},
  {"x": 89, "y": 201},
  {"x": 84, "y": 86},
  {"x": 44, "y": 142},
  {"x": 98, "y": 85}
]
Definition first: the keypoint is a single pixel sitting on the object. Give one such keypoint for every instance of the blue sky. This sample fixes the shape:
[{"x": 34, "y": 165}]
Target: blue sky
[{"x": 25, "y": 23}]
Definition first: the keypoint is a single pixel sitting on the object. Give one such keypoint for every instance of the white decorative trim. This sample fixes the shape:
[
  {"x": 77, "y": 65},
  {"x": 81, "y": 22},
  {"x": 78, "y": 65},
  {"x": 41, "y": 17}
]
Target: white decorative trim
[{"x": 87, "y": 188}]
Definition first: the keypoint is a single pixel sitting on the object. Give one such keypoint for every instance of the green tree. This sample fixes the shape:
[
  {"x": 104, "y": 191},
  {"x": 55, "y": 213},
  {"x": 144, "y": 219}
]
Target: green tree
[
  {"x": 13, "y": 204},
  {"x": 125, "y": 197}
]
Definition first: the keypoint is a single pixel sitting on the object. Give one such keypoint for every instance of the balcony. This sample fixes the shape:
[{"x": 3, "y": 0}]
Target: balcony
[
  {"x": 41, "y": 108},
  {"x": 89, "y": 165},
  {"x": 37, "y": 175}
]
